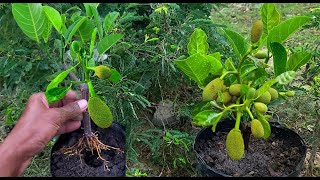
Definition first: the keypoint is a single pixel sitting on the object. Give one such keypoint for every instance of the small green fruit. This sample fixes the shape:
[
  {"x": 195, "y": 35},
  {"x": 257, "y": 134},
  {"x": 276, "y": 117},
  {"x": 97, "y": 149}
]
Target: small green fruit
[
  {"x": 210, "y": 92},
  {"x": 257, "y": 129},
  {"x": 264, "y": 98},
  {"x": 274, "y": 94},
  {"x": 261, "y": 55},
  {"x": 290, "y": 93},
  {"x": 250, "y": 93},
  {"x": 99, "y": 112},
  {"x": 234, "y": 89},
  {"x": 260, "y": 107},
  {"x": 256, "y": 31},
  {"x": 226, "y": 97},
  {"x": 103, "y": 72},
  {"x": 235, "y": 144}
]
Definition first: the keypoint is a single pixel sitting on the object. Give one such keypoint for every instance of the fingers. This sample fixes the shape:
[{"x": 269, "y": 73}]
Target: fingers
[
  {"x": 69, "y": 126},
  {"x": 71, "y": 96},
  {"x": 71, "y": 110}
]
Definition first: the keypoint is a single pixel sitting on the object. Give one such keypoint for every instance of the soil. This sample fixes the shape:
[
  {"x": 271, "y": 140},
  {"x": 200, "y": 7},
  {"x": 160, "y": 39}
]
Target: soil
[
  {"x": 87, "y": 165},
  {"x": 276, "y": 156}
]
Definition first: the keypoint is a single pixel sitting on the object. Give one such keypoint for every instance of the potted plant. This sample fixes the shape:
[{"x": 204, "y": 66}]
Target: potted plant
[
  {"x": 239, "y": 91},
  {"x": 97, "y": 149}
]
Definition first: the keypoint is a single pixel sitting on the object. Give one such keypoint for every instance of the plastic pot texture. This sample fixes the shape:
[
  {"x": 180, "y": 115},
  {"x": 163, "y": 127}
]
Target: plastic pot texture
[
  {"x": 226, "y": 125},
  {"x": 88, "y": 164}
]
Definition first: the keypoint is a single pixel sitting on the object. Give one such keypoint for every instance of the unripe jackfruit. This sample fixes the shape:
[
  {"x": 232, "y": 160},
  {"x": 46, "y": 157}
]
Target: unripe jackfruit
[
  {"x": 99, "y": 112},
  {"x": 103, "y": 72},
  {"x": 290, "y": 93},
  {"x": 260, "y": 107},
  {"x": 261, "y": 55},
  {"x": 235, "y": 144},
  {"x": 210, "y": 92},
  {"x": 234, "y": 89},
  {"x": 250, "y": 93},
  {"x": 257, "y": 129},
  {"x": 274, "y": 94},
  {"x": 264, "y": 98},
  {"x": 226, "y": 97},
  {"x": 256, "y": 31}
]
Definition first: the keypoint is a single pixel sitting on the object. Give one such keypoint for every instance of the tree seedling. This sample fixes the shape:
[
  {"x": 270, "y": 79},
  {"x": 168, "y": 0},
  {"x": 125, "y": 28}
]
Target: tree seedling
[
  {"x": 245, "y": 86},
  {"x": 79, "y": 33}
]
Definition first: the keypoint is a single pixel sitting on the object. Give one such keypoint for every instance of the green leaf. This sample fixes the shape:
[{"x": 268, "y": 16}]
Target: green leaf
[
  {"x": 85, "y": 30},
  {"x": 108, "y": 41},
  {"x": 246, "y": 69},
  {"x": 207, "y": 118},
  {"x": 198, "y": 43},
  {"x": 297, "y": 60},
  {"x": 57, "y": 80},
  {"x": 9, "y": 120},
  {"x": 270, "y": 17},
  {"x": 216, "y": 55},
  {"x": 196, "y": 67},
  {"x": 55, "y": 94},
  {"x": 73, "y": 29},
  {"x": 279, "y": 58},
  {"x": 53, "y": 16},
  {"x": 265, "y": 87},
  {"x": 215, "y": 65},
  {"x": 109, "y": 21},
  {"x": 75, "y": 49},
  {"x": 47, "y": 31},
  {"x": 115, "y": 76},
  {"x": 265, "y": 125},
  {"x": 283, "y": 30},
  {"x": 91, "y": 63},
  {"x": 286, "y": 77},
  {"x": 93, "y": 39},
  {"x": 30, "y": 18},
  {"x": 201, "y": 107},
  {"x": 88, "y": 9},
  {"x": 96, "y": 16},
  {"x": 238, "y": 43},
  {"x": 229, "y": 65}
]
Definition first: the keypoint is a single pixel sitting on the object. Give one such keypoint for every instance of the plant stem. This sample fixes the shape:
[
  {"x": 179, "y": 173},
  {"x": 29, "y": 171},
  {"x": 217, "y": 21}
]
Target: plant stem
[
  {"x": 238, "y": 117},
  {"x": 86, "y": 118},
  {"x": 249, "y": 112}
]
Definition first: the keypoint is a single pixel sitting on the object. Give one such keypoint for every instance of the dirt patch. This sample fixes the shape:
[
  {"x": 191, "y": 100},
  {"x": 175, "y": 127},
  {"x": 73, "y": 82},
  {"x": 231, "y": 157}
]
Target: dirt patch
[
  {"x": 89, "y": 164},
  {"x": 276, "y": 156}
]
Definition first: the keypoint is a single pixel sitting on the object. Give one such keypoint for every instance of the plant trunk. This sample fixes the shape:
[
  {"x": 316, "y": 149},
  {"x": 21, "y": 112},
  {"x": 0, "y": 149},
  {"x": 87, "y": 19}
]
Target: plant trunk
[
  {"x": 86, "y": 118},
  {"x": 246, "y": 131}
]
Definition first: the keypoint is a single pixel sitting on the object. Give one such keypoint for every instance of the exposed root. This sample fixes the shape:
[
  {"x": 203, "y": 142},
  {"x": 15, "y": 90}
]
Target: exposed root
[{"x": 91, "y": 143}]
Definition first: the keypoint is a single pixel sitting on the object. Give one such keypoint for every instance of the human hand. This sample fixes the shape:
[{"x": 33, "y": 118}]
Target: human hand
[{"x": 38, "y": 124}]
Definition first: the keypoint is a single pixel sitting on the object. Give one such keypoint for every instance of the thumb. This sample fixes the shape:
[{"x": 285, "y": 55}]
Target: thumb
[{"x": 72, "y": 110}]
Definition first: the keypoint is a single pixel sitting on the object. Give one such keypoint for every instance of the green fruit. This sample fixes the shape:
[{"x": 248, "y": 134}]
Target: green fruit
[
  {"x": 226, "y": 97},
  {"x": 264, "y": 98},
  {"x": 261, "y": 55},
  {"x": 256, "y": 31},
  {"x": 250, "y": 93},
  {"x": 99, "y": 112},
  {"x": 103, "y": 72},
  {"x": 235, "y": 144},
  {"x": 234, "y": 89},
  {"x": 260, "y": 107},
  {"x": 274, "y": 94},
  {"x": 290, "y": 93},
  {"x": 257, "y": 129},
  {"x": 210, "y": 92}
]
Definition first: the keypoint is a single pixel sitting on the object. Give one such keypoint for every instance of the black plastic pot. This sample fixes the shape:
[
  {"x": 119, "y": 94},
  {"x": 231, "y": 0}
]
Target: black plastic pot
[
  {"x": 226, "y": 125},
  {"x": 88, "y": 164}
]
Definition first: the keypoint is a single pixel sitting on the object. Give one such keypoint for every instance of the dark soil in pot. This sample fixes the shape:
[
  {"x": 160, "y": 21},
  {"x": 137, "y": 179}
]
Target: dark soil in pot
[
  {"x": 282, "y": 154},
  {"x": 88, "y": 164}
]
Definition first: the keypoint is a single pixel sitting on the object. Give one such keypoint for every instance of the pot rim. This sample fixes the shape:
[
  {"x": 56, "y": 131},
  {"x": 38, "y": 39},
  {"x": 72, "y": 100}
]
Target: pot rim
[{"x": 272, "y": 124}]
